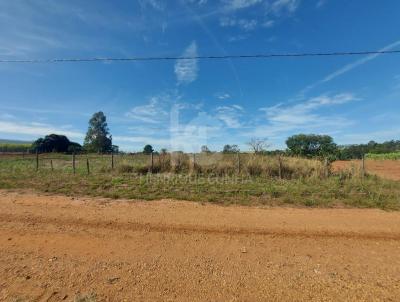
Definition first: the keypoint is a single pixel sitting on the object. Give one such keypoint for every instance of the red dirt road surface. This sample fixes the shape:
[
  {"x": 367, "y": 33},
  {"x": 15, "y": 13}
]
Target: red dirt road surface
[{"x": 53, "y": 248}]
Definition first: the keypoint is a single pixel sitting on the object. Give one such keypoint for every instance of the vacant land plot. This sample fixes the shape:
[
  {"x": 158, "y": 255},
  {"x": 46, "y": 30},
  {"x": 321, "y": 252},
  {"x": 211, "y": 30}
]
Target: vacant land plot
[
  {"x": 302, "y": 183},
  {"x": 57, "y": 248},
  {"x": 388, "y": 169}
]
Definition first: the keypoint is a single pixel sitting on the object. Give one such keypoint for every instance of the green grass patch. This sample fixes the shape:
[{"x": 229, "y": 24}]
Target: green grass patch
[{"x": 384, "y": 156}]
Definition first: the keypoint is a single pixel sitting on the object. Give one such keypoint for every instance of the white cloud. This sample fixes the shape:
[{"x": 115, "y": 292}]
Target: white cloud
[
  {"x": 237, "y": 38},
  {"x": 186, "y": 70},
  {"x": 153, "y": 112},
  {"x": 303, "y": 113},
  {"x": 197, "y": 2},
  {"x": 245, "y": 24},
  {"x": 269, "y": 13},
  {"x": 223, "y": 96},
  {"x": 268, "y": 23},
  {"x": 304, "y": 116},
  {"x": 36, "y": 129},
  {"x": 230, "y": 115},
  {"x": 155, "y": 4},
  {"x": 239, "y": 4},
  {"x": 284, "y": 6}
]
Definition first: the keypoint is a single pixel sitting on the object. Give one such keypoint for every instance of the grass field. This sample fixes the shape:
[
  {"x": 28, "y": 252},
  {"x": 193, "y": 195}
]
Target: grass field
[
  {"x": 14, "y": 147},
  {"x": 215, "y": 180},
  {"x": 384, "y": 156}
]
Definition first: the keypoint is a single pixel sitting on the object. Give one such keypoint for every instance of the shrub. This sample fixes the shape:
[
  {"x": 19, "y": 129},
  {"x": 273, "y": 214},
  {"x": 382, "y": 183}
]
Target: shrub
[{"x": 126, "y": 169}]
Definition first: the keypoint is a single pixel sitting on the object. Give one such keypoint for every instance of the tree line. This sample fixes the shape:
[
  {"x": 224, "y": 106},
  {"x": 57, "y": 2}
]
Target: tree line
[{"x": 99, "y": 140}]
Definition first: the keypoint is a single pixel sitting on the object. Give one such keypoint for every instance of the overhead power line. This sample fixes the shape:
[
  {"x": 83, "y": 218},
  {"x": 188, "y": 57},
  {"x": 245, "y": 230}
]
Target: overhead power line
[{"x": 250, "y": 56}]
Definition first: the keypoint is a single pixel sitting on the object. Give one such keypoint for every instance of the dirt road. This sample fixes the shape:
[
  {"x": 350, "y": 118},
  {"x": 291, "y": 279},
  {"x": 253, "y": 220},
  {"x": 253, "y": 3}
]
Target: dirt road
[{"x": 53, "y": 248}]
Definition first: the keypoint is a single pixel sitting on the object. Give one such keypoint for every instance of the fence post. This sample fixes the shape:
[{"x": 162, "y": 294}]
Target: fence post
[
  {"x": 112, "y": 160},
  {"x": 37, "y": 160},
  {"x": 51, "y": 165},
  {"x": 363, "y": 166},
  {"x": 87, "y": 166},
  {"x": 280, "y": 166},
  {"x": 238, "y": 162},
  {"x": 326, "y": 169},
  {"x": 152, "y": 162},
  {"x": 73, "y": 161},
  {"x": 194, "y": 162}
]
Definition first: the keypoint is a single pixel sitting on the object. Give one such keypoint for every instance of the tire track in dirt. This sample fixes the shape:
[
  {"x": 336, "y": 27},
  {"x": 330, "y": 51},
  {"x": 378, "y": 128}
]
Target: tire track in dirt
[{"x": 179, "y": 228}]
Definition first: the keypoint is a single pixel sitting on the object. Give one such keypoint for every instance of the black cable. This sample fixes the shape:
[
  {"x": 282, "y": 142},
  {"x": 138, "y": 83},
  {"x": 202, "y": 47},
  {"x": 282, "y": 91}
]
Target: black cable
[{"x": 255, "y": 56}]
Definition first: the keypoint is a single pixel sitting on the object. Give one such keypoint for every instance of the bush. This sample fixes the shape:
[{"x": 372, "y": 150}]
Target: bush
[{"x": 125, "y": 169}]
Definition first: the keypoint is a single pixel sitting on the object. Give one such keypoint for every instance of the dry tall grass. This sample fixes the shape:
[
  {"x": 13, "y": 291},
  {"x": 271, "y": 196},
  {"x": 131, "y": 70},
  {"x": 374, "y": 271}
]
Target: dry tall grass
[{"x": 218, "y": 164}]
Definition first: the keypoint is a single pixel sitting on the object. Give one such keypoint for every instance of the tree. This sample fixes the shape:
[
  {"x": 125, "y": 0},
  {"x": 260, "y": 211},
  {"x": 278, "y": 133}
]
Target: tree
[
  {"x": 231, "y": 149},
  {"x": 311, "y": 145},
  {"x": 204, "y": 149},
  {"x": 148, "y": 149},
  {"x": 55, "y": 143},
  {"x": 258, "y": 145},
  {"x": 98, "y": 138}
]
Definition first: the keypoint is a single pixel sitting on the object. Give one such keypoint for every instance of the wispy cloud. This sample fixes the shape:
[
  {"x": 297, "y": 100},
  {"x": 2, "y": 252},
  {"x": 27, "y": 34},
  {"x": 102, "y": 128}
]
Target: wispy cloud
[
  {"x": 240, "y": 4},
  {"x": 186, "y": 70},
  {"x": 304, "y": 112},
  {"x": 284, "y": 6},
  {"x": 155, "y": 4},
  {"x": 230, "y": 115},
  {"x": 245, "y": 24},
  {"x": 153, "y": 112},
  {"x": 267, "y": 14},
  {"x": 36, "y": 129},
  {"x": 305, "y": 116},
  {"x": 223, "y": 95}
]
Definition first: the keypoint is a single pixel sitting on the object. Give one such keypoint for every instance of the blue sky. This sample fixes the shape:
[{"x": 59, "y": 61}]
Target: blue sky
[{"x": 186, "y": 104}]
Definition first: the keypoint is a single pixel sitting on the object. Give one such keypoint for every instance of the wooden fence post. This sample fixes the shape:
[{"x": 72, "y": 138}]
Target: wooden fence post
[
  {"x": 280, "y": 166},
  {"x": 363, "y": 166},
  {"x": 326, "y": 168},
  {"x": 51, "y": 165},
  {"x": 37, "y": 160},
  {"x": 87, "y": 166},
  {"x": 238, "y": 162},
  {"x": 112, "y": 160},
  {"x": 152, "y": 162},
  {"x": 73, "y": 161},
  {"x": 194, "y": 162}
]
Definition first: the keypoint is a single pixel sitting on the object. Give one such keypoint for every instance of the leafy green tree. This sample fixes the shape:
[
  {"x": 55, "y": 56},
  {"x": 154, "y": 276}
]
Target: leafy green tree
[
  {"x": 231, "y": 149},
  {"x": 148, "y": 149},
  {"x": 98, "y": 138},
  {"x": 311, "y": 145},
  {"x": 55, "y": 143}
]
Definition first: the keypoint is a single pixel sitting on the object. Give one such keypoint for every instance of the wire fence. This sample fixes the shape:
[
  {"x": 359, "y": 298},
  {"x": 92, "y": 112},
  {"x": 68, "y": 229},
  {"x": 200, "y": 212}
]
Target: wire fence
[{"x": 218, "y": 164}]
